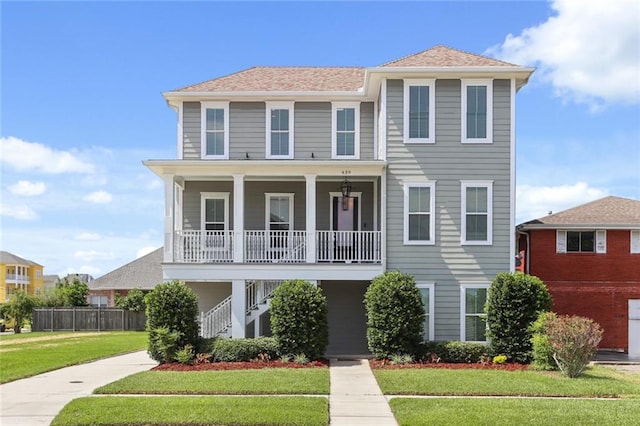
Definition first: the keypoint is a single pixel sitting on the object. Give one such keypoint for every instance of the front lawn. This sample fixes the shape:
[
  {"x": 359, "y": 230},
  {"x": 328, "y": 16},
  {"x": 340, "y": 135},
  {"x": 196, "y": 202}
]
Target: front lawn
[
  {"x": 514, "y": 411},
  {"x": 205, "y": 410},
  {"x": 27, "y": 354},
  {"x": 268, "y": 381},
  {"x": 596, "y": 382}
]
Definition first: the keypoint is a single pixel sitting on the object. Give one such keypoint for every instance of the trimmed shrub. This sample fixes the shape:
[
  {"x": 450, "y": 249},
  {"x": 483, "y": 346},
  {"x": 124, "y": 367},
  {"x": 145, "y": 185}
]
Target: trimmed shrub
[
  {"x": 574, "y": 341},
  {"x": 395, "y": 315},
  {"x": 453, "y": 351},
  {"x": 172, "y": 306},
  {"x": 163, "y": 344},
  {"x": 299, "y": 319},
  {"x": 235, "y": 350},
  {"x": 542, "y": 349},
  {"x": 514, "y": 302}
]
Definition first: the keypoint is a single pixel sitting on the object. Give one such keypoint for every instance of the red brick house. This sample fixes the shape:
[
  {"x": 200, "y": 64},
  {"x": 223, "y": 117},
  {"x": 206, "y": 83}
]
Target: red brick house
[{"x": 589, "y": 258}]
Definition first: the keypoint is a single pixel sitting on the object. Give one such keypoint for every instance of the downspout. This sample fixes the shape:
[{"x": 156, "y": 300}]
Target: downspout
[{"x": 526, "y": 252}]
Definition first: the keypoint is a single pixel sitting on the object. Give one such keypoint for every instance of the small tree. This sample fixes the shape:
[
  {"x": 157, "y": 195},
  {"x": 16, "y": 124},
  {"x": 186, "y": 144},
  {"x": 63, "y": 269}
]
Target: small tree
[
  {"x": 172, "y": 308},
  {"x": 514, "y": 302},
  {"x": 76, "y": 293},
  {"x": 574, "y": 341},
  {"x": 395, "y": 315},
  {"x": 299, "y": 319},
  {"x": 19, "y": 308},
  {"x": 133, "y": 301}
]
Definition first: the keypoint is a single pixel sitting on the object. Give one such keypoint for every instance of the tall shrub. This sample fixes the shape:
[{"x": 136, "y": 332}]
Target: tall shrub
[
  {"x": 171, "y": 308},
  {"x": 574, "y": 341},
  {"x": 395, "y": 315},
  {"x": 514, "y": 302},
  {"x": 19, "y": 308},
  {"x": 299, "y": 319},
  {"x": 542, "y": 349}
]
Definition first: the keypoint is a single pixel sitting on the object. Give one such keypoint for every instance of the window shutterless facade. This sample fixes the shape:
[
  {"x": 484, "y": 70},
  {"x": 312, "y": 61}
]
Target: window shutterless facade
[
  {"x": 214, "y": 134},
  {"x": 419, "y": 213},
  {"x": 477, "y": 211},
  {"x": 214, "y": 211},
  {"x": 477, "y": 111},
  {"x": 345, "y": 130},
  {"x": 279, "y": 130},
  {"x": 427, "y": 293},
  {"x": 279, "y": 211},
  {"x": 419, "y": 118},
  {"x": 473, "y": 319}
]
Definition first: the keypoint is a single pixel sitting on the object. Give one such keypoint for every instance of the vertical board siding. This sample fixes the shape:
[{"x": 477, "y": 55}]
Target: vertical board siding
[
  {"x": 247, "y": 134},
  {"x": 448, "y": 161},
  {"x": 312, "y": 130},
  {"x": 191, "y": 130}
]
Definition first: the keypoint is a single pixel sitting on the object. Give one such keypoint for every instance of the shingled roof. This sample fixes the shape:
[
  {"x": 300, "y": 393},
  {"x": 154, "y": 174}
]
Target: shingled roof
[
  {"x": 333, "y": 79},
  {"x": 7, "y": 258},
  {"x": 143, "y": 273},
  {"x": 607, "y": 211}
]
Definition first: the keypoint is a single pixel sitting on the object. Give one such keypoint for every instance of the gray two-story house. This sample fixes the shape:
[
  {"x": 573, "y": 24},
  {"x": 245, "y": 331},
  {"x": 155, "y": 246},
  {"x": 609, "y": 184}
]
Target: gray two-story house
[{"x": 336, "y": 174}]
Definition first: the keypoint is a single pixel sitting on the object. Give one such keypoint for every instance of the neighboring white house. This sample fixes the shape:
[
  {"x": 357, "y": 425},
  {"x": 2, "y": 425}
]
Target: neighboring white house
[{"x": 336, "y": 174}]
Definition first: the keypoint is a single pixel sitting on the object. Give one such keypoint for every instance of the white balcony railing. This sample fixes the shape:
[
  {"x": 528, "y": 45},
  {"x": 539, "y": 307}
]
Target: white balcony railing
[
  {"x": 17, "y": 279},
  {"x": 204, "y": 246},
  {"x": 275, "y": 246},
  {"x": 349, "y": 246}
]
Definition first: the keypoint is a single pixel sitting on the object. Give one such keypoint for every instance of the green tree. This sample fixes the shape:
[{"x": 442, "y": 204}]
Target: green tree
[
  {"x": 299, "y": 319},
  {"x": 19, "y": 308},
  {"x": 133, "y": 301},
  {"x": 75, "y": 294},
  {"x": 514, "y": 302},
  {"x": 395, "y": 315}
]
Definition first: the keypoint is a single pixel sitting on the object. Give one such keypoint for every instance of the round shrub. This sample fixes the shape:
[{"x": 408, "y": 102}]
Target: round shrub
[
  {"x": 514, "y": 302},
  {"x": 299, "y": 319},
  {"x": 395, "y": 315},
  {"x": 574, "y": 341},
  {"x": 172, "y": 307}
]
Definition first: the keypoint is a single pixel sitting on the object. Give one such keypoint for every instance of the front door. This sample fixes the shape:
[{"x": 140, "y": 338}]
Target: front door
[{"x": 345, "y": 220}]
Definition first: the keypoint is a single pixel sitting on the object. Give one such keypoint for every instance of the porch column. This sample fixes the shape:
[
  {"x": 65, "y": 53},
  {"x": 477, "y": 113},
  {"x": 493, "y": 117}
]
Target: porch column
[
  {"x": 311, "y": 217},
  {"x": 168, "y": 217},
  {"x": 238, "y": 219},
  {"x": 238, "y": 309}
]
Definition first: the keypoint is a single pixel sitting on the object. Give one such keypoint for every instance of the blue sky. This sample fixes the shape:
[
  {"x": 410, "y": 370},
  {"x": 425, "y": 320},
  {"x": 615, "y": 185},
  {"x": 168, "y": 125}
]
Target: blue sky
[{"x": 81, "y": 103}]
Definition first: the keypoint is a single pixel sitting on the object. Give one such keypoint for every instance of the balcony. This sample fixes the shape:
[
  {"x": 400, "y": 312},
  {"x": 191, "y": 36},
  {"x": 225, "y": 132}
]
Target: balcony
[
  {"x": 278, "y": 247},
  {"x": 17, "y": 279}
]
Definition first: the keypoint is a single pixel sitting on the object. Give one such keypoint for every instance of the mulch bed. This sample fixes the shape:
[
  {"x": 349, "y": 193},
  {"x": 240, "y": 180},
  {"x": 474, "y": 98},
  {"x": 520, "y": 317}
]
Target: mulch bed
[
  {"x": 386, "y": 365},
  {"x": 250, "y": 365}
]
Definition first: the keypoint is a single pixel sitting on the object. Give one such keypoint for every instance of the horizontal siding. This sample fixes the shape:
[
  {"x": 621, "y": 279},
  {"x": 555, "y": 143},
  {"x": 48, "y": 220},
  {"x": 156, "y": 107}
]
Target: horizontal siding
[
  {"x": 191, "y": 209},
  {"x": 247, "y": 130},
  {"x": 366, "y": 130},
  {"x": 312, "y": 130},
  {"x": 255, "y": 203},
  {"x": 191, "y": 130}
]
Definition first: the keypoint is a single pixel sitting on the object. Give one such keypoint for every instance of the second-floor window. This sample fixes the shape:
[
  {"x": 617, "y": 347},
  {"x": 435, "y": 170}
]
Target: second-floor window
[
  {"x": 581, "y": 241},
  {"x": 279, "y": 129},
  {"x": 215, "y": 130},
  {"x": 477, "y": 201},
  {"x": 214, "y": 211},
  {"x": 279, "y": 212},
  {"x": 345, "y": 137},
  {"x": 477, "y": 111},
  {"x": 419, "y": 111}
]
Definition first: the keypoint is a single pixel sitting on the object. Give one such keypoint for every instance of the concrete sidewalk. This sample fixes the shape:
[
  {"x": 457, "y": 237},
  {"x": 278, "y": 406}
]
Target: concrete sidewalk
[
  {"x": 38, "y": 399},
  {"x": 355, "y": 397}
]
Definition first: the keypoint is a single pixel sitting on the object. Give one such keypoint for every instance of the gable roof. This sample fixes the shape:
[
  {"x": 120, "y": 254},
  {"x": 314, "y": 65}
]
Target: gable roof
[
  {"x": 143, "y": 273},
  {"x": 442, "y": 56},
  {"x": 7, "y": 258},
  {"x": 606, "y": 212}
]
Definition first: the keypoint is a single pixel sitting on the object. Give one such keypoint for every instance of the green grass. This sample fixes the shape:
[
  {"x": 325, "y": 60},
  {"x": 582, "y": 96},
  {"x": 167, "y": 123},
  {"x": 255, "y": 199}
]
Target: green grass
[
  {"x": 514, "y": 411},
  {"x": 184, "y": 410},
  {"x": 25, "y": 355},
  {"x": 30, "y": 335},
  {"x": 269, "y": 381},
  {"x": 596, "y": 382}
]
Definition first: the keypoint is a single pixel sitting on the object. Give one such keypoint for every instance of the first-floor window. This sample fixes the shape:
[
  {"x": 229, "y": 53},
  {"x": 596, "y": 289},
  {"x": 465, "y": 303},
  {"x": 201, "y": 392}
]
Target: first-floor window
[
  {"x": 99, "y": 301},
  {"x": 473, "y": 298},
  {"x": 419, "y": 204},
  {"x": 635, "y": 241},
  {"x": 428, "y": 302},
  {"x": 477, "y": 201}
]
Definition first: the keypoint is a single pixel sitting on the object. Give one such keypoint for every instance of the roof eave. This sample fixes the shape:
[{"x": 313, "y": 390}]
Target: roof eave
[
  {"x": 251, "y": 95},
  {"x": 579, "y": 226}
]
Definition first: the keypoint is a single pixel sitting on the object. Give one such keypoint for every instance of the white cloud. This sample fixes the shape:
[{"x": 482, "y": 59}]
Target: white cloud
[
  {"x": 20, "y": 212},
  {"x": 31, "y": 156},
  {"x": 87, "y": 236},
  {"x": 533, "y": 202},
  {"x": 91, "y": 255},
  {"x": 28, "y": 189},
  {"x": 144, "y": 251},
  {"x": 98, "y": 197},
  {"x": 588, "y": 50}
]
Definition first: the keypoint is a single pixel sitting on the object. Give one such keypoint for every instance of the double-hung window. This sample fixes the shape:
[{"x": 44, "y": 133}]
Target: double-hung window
[
  {"x": 279, "y": 220},
  {"x": 427, "y": 293},
  {"x": 279, "y": 130},
  {"x": 635, "y": 241},
  {"x": 419, "y": 212},
  {"x": 473, "y": 319},
  {"x": 214, "y": 135},
  {"x": 477, "y": 111},
  {"x": 477, "y": 212},
  {"x": 215, "y": 220},
  {"x": 419, "y": 118},
  {"x": 345, "y": 130}
]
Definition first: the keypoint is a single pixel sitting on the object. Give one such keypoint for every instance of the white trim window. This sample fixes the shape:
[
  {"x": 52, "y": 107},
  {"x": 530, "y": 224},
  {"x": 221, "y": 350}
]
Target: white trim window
[
  {"x": 419, "y": 213},
  {"x": 419, "y": 115},
  {"x": 473, "y": 319},
  {"x": 477, "y": 111},
  {"x": 477, "y": 213},
  {"x": 427, "y": 293},
  {"x": 99, "y": 301},
  {"x": 581, "y": 241},
  {"x": 345, "y": 130},
  {"x": 635, "y": 242},
  {"x": 279, "y": 130},
  {"x": 279, "y": 212},
  {"x": 214, "y": 130},
  {"x": 214, "y": 211}
]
